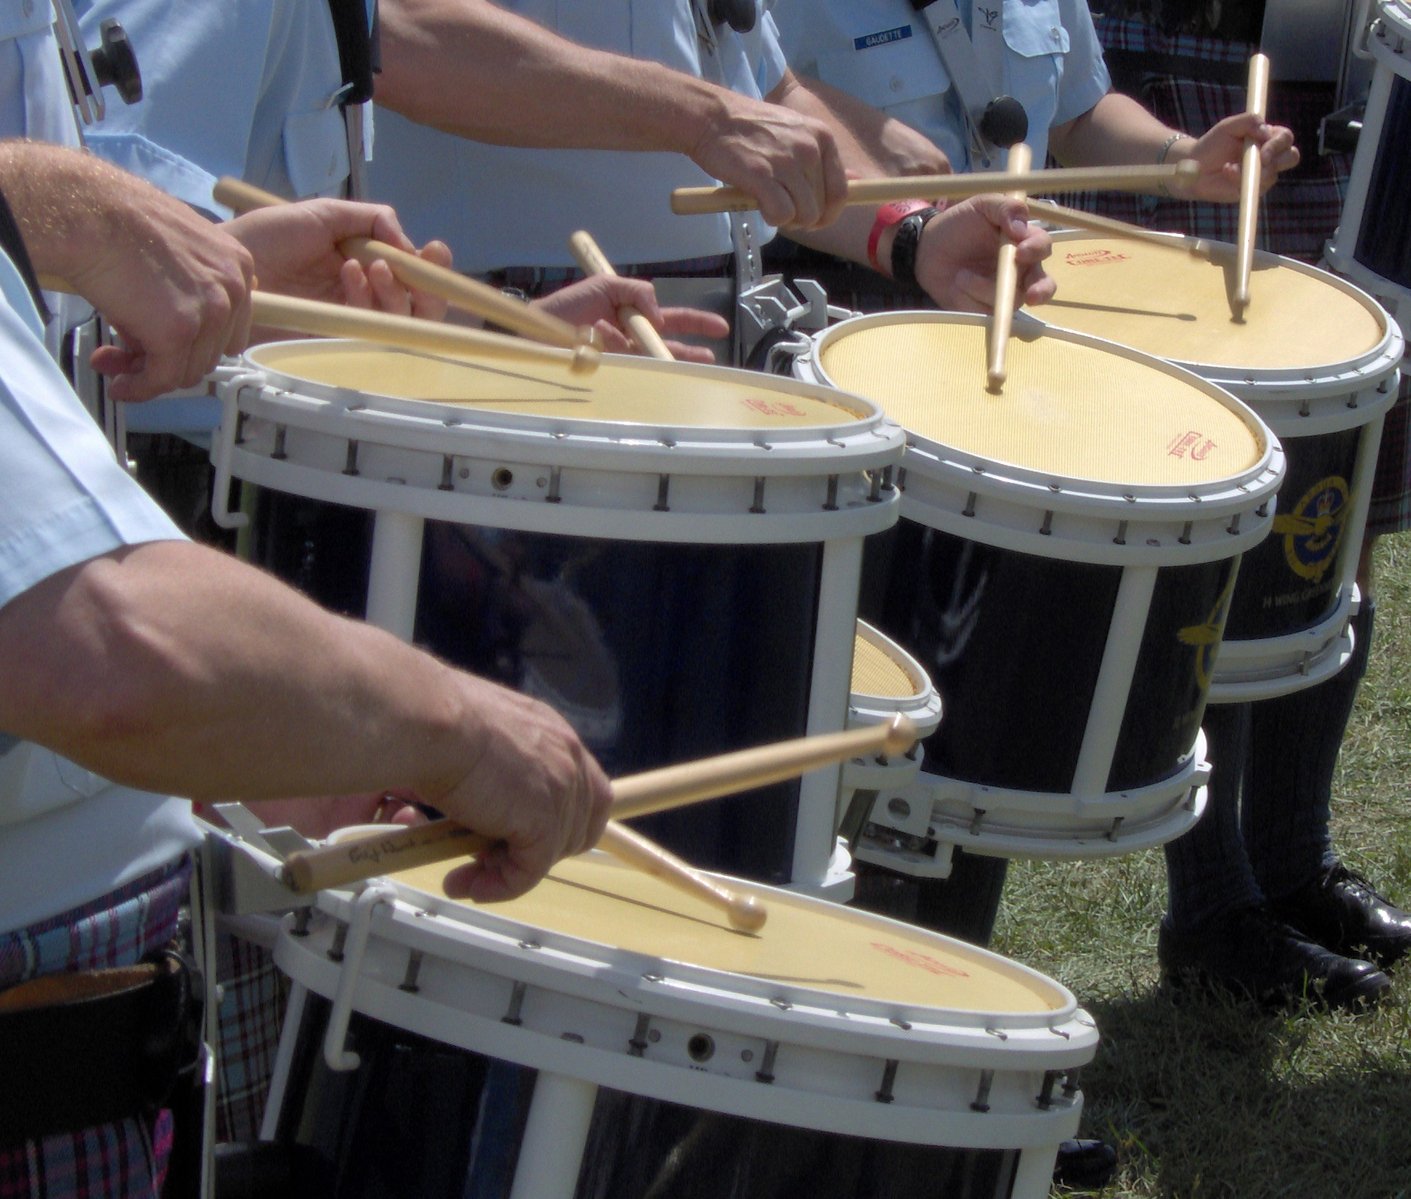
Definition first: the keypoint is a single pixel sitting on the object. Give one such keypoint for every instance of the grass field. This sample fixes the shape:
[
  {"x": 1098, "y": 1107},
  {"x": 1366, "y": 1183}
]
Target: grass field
[{"x": 1213, "y": 1098}]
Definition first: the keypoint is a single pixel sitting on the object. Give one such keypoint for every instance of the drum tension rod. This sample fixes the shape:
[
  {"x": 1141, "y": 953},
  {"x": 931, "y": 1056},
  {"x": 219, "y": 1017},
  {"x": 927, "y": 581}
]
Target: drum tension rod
[
  {"x": 765, "y": 1073},
  {"x": 757, "y": 508},
  {"x": 637, "y": 1043},
  {"x": 340, "y": 939},
  {"x": 981, "y": 1102},
  {"x": 448, "y": 474},
  {"x": 409, "y": 983},
  {"x": 511, "y": 1015},
  {"x": 830, "y": 502},
  {"x": 1045, "y": 1096},
  {"x": 663, "y": 489},
  {"x": 350, "y": 460},
  {"x": 279, "y": 433},
  {"x": 889, "y": 1078},
  {"x": 555, "y": 478}
]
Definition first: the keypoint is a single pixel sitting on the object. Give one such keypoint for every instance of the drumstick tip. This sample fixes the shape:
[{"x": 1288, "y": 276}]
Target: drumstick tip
[
  {"x": 746, "y": 914},
  {"x": 586, "y": 359}
]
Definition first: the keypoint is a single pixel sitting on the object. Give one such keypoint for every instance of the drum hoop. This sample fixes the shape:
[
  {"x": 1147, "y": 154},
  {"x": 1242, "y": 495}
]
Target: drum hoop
[
  {"x": 1019, "y": 1124},
  {"x": 417, "y": 425},
  {"x": 1262, "y": 384},
  {"x": 1015, "y": 474},
  {"x": 1392, "y": 21},
  {"x": 684, "y": 990}
]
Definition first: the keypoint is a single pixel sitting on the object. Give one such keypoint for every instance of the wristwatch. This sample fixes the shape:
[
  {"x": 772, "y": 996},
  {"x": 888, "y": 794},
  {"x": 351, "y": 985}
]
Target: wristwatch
[{"x": 904, "y": 245}]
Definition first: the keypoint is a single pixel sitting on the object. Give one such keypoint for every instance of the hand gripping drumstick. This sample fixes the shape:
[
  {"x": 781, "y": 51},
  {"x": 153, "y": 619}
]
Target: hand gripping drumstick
[
  {"x": 592, "y": 261},
  {"x": 405, "y": 332},
  {"x": 635, "y": 795},
  {"x": 694, "y": 201},
  {"x": 456, "y": 289},
  {"x": 1006, "y": 280},
  {"x": 1257, "y": 102}
]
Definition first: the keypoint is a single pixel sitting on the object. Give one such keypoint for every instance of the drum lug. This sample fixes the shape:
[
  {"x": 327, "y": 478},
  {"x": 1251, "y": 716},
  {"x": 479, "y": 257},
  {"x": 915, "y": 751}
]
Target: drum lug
[{"x": 335, "y": 1052}]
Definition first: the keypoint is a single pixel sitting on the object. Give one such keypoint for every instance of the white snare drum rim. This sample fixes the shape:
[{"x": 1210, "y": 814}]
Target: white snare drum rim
[
  {"x": 923, "y": 704},
  {"x": 576, "y": 477},
  {"x": 461, "y": 1000},
  {"x": 1057, "y": 826},
  {"x": 749, "y": 1005},
  {"x": 1302, "y": 401},
  {"x": 1254, "y": 668},
  {"x": 1057, "y": 516},
  {"x": 1390, "y": 37}
]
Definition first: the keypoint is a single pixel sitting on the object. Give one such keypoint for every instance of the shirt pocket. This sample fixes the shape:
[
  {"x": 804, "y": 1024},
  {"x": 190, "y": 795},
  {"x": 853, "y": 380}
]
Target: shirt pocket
[
  {"x": 1034, "y": 28},
  {"x": 316, "y": 151},
  {"x": 892, "y": 72}
]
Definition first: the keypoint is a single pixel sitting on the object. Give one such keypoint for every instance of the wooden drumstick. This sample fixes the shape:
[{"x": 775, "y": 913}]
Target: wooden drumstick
[
  {"x": 693, "y": 201},
  {"x": 1006, "y": 280},
  {"x": 592, "y": 261},
  {"x": 1076, "y": 218},
  {"x": 467, "y": 294},
  {"x": 743, "y": 911},
  {"x": 634, "y": 795},
  {"x": 410, "y": 332},
  {"x": 1257, "y": 102}
]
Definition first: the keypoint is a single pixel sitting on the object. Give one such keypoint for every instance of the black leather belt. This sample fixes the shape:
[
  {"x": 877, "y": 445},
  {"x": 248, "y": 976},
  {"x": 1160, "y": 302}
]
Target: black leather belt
[{"x": 95, "y": 1046}]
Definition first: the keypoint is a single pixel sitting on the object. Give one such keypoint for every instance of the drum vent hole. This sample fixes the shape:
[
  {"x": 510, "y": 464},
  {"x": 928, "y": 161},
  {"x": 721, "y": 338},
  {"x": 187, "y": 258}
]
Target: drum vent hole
[
  {"x": 899, "y": 808},
  {"x": 701, "y": 1047},
  {"x": 502, "y": 478}
]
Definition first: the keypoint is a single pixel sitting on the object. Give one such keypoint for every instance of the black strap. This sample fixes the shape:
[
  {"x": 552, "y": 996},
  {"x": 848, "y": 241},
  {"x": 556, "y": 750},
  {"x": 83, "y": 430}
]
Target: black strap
[
  {"x": 105, "y": 1045},
  {"x": 358, "y": 50},
  {"x": 13, "y": 244}
]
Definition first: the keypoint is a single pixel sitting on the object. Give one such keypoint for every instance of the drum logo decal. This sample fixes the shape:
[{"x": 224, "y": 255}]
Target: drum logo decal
[
  {"x": 1194, "y": 445},
  {"x": 1312, "y": 532},
  {"x": 922, "y": 961},
  {"x": 1099, "y": 257},
  {"x": 773, "y": 407},
  {"x": 1205, "y": 638}
]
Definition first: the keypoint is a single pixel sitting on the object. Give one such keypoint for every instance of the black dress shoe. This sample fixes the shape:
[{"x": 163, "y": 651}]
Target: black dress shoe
[
  {"x": 1249, "y": 952},
  {"x": 1084, "y": 1165},
  {"x": 1340, "y": 909}
]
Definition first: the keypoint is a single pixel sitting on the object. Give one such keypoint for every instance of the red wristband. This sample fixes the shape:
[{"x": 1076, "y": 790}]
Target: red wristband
[{"x": 887, "y": 216}]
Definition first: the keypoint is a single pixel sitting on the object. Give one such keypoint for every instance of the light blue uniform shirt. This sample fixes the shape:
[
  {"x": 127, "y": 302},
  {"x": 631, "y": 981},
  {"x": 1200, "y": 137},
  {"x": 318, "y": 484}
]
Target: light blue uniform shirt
[
  {"x": 500, "y": 206},
  {"x": 66, "y": 835},
  {"x": 247, "y": 88},
  {"x": 881, "y": 52}
]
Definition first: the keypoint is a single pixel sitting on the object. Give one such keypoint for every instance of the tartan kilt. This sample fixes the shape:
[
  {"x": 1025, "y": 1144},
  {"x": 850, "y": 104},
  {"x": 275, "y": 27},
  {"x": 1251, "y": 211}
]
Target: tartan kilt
[
  {"x": 126, "y": 1159},
  {"x": 1297, "y": 217}
]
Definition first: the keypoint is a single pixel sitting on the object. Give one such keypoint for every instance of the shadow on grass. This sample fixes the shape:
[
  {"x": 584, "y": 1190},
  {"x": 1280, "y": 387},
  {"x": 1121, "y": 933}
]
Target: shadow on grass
[{"x": 1211, "y": 1097}]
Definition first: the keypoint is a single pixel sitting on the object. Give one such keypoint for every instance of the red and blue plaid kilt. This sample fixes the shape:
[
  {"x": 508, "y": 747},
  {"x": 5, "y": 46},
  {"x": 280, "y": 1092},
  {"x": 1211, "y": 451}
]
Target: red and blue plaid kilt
[
  {"x": 254, "y": 994},
  {"x": 1296, "y": 218},
  {"x": 126, "y": 1159}
]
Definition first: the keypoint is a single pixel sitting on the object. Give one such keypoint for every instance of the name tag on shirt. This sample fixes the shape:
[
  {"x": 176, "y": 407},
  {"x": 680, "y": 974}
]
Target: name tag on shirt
[{"x": 868, "y": 40}]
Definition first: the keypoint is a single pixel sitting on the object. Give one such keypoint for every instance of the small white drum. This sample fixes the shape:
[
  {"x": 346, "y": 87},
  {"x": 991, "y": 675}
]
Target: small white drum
[
  {"x": 607, "y": 1036},
  {"x": 667, "y": 554},
  {"x": 886, "y": 680},
  {"x": 1061, "y": 571},
  {"x": 1372, "y": 244},
  {"x": 1318, "y": 360}
]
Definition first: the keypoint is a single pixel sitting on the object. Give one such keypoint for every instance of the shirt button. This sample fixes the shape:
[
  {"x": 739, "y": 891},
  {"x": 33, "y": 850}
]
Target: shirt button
[
  {"x": 896, "y": 84},
  {"x": 1056, "y": 34}
]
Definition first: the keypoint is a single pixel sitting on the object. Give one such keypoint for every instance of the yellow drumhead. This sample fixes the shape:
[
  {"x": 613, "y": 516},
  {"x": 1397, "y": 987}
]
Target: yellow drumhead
[
  {"x": 1171, "y": 302},
  {"x": 620, "y": 390},
  {"x": 823, "y": 947},
  {"x": 876, "y": 672},
  {"x": 1067, "y": 408}
]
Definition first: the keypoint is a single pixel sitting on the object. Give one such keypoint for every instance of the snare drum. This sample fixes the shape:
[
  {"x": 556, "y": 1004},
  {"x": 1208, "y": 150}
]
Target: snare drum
[
  {"x": 886, "y": 680},
  {"x": 1372, "y": 244},
  {"x": 668, "y": 554},
  {"x": 1318, "y": 360},
  {"x": 1061, "y": 571},
  {"x": 607, "y": 1036}
]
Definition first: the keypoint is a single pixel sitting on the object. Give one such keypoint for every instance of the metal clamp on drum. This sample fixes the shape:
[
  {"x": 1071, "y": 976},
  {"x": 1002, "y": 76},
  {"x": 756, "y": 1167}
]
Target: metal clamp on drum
[
  {"x": 667, "y": 554},
  {"x": 1061, "y": 571},
  {"x": 607, "y": 1035},
  {"x": 1318, "y": 360}
]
